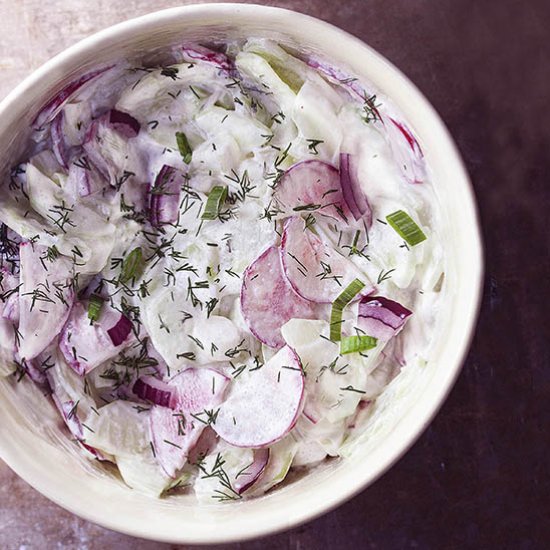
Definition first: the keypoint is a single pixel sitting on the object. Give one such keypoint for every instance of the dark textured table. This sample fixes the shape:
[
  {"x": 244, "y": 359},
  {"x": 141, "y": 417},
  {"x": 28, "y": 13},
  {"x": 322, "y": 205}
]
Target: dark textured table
[{"x": 479, "y": 476}]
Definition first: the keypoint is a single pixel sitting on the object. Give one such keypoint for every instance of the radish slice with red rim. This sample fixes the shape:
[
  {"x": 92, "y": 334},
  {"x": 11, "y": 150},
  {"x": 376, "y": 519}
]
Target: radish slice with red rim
[
  {"x": 381, "y": 318},
  {"x": 246, "y": 478},
  {"x": 175, "y": 432},
  {"x": 264, "y": 404},
  {"x": 315, "y": 270},
  {"x": 312, "y": 186},
  {"x": 268, "y": 301},
  {"x": 204, "y": 446}
]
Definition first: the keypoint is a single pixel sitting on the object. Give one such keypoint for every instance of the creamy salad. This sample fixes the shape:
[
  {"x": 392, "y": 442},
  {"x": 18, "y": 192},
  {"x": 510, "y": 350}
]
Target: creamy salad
[{"x": 215, "y": 266}]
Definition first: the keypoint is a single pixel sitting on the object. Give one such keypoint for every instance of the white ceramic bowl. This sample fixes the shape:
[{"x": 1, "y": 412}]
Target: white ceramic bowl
[{"x": 32, "y": 441}]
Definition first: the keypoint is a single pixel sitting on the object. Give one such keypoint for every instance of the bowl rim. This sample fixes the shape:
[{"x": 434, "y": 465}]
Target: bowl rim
[{"x": 55, "y": 492}]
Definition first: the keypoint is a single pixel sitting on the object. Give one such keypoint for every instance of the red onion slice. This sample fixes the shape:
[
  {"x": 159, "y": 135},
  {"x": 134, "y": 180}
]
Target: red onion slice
[
  {"x": 120, "y": 331},
  {"x": 59, "y": 145},
  {"x": 381, "y": 317},
  {"x": 165, "y": 196},
  {"x": 406, "y": 151},
  {"x": 246, "y": 478},
  {"x": 124, "y": 123},
  {"x": 200, "y": 53},
  {"x": 156, "y": 391},
  {"x": 351, "y": 189},
  {"x": 87, "y": 345},
  {"x": 50, "y": 110}
]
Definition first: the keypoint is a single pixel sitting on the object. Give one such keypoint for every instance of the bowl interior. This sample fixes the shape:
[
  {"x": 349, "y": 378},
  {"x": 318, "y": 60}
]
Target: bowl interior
[{"x": 32, "y": 440}]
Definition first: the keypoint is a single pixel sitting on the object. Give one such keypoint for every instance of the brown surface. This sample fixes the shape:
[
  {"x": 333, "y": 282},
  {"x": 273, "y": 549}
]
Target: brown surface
[{"x": 478, "y": 477}]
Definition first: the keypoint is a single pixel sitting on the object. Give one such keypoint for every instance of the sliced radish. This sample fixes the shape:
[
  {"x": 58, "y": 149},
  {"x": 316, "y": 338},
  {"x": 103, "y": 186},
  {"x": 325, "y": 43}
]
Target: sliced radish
[
  {"x": 247, "y": 477},
  {"x": 198, "y": 389},
  {"x": 85, "y": 345},
  {"x": 351, "y": 189},
  {"x": 315, "y": 270},
  {"x": 264, "y": 404},
  {"x": 381, "y": 317},
  {"x": 312, "y": 186},
  {"x": 165, "y": 196},
  {"x": 46, "y": 296},
  {"x": 406, "y": 151},
  {"x": 268, "y": 301},
  {"x": 50, "y": 110},
  {"x": 204, "y": 446},
  {"x": 176, "y": 432}
]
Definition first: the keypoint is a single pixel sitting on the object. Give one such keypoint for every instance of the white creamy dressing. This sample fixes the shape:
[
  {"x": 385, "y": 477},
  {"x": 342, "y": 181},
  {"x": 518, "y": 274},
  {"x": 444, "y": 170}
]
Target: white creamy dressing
[{"x": 241, "y": 132}]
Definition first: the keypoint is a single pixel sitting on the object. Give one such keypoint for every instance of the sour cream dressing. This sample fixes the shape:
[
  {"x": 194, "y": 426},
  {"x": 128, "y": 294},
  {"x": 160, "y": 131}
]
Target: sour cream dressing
[{"x": 174, "y": 252}]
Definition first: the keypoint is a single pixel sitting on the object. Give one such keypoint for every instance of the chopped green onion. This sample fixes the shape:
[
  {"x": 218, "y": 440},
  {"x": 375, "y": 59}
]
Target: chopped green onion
[
  {"x": 215, "y": 199},
  {"x": 94, "y": 307},
  {"x": 338, "y": 306},
  {"x": 184, "y": 147},
  {"x": 354, "y": 344},
  {"x": 131, "y": 266},
  {"x": 406, "y": 227}
]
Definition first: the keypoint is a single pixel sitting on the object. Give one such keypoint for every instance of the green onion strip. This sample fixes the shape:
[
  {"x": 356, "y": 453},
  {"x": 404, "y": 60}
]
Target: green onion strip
[
  {"x": 215, "y": 199},
  {"x": 406, "y": 227},
  {"x": 95, "y": 305},
  {"x": 184, "y": 147},
  {"x": 338, "y": 306},
  {"x": 354, "y": 344},
  {"x": 131, "y": 267}
]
